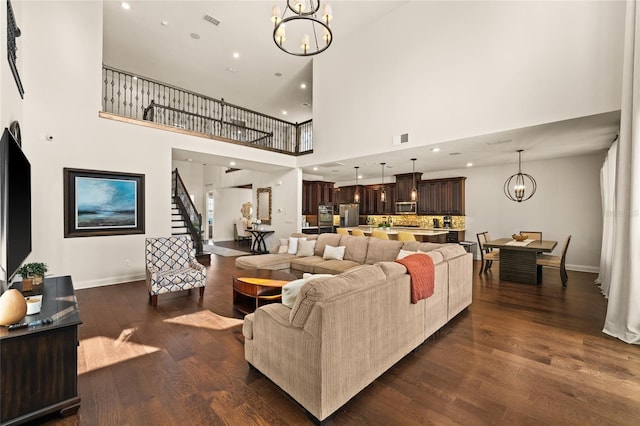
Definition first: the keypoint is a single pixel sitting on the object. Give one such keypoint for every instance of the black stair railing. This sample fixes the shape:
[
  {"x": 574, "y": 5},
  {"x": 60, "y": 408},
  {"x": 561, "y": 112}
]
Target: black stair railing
[
  {"x": 188, "y": 211},
  {"x": 136, "y": 97}
]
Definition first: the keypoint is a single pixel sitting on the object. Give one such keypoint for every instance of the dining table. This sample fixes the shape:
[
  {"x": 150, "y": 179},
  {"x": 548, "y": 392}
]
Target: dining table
[{"x": 518, "y": 259}]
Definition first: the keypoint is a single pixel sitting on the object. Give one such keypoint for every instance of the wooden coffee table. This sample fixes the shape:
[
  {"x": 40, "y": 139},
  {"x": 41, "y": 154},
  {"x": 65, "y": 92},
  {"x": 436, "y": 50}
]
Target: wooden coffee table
[{"x": 253, "y": 288}]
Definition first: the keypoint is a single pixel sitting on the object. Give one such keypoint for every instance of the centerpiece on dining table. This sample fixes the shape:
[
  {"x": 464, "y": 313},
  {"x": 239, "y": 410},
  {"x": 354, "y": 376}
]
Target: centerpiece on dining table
[{"x": 519, "y": 237}]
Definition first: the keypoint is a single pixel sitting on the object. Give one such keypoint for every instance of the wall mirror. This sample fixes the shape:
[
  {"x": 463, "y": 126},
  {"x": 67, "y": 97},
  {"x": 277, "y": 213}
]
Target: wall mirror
[{"x": 264, "y": 205}]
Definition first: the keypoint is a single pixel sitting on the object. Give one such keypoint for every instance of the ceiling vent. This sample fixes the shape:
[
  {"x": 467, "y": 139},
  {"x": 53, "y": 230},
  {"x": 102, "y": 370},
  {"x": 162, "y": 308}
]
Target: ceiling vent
[
  {"x": 211, "y": 19},
  {"x": 403, "y": 138}
]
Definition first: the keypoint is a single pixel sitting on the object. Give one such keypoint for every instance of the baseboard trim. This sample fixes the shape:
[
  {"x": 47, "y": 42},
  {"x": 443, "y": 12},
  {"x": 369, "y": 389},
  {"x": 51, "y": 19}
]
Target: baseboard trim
[{"x": 106, "y": 281}]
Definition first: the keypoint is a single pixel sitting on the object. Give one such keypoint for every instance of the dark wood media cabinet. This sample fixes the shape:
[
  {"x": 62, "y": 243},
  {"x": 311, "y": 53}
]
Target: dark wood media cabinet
[{"x": 39, "y": 365}]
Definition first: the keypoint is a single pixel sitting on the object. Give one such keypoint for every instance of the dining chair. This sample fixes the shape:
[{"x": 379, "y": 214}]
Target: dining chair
[
  {"x": 556, "y": 261},
  {"x": 487, "y": 254},
  {"x": 242, "y": 235},
  {"x": 406, "y": 236},
  {"x": 342, "y": 231},
  {"x": 376, "y": 233},
  {"x": 533, "y": 235},
  {"x": 357, "y": 233}
]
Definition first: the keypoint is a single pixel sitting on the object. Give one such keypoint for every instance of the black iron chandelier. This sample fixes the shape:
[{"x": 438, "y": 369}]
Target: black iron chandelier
[
  {"x": 516, "y": 188},
  {"x": 414, "y": 190},
  {"x": 314, "y": 33}
]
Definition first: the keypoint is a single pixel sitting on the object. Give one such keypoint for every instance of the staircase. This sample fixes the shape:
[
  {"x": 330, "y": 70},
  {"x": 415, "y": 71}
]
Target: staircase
[
  {"x": 178, "y": 225},
  {"x": 185, "y": 219}
]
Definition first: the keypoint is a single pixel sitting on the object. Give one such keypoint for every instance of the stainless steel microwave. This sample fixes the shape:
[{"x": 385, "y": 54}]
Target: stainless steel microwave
[{"x": 406, "y": 207}]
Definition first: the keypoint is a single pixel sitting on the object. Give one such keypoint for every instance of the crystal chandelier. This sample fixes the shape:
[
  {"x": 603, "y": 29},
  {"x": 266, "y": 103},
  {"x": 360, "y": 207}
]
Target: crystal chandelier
[
  {"x": 314, "y": 33},
  {"x": 515, "y": 187}
]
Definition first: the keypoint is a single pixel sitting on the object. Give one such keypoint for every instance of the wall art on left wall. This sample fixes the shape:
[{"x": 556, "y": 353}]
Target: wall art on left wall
[{"x": 98, "y": 203}]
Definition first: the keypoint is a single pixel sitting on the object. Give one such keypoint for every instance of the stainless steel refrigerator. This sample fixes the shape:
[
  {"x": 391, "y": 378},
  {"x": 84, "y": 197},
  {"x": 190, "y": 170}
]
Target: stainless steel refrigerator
[{"x": 349, "y": 215}]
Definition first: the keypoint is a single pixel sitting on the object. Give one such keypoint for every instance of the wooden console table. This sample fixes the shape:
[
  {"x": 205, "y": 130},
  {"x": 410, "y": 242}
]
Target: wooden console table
[{"x": 39, "y": 365}]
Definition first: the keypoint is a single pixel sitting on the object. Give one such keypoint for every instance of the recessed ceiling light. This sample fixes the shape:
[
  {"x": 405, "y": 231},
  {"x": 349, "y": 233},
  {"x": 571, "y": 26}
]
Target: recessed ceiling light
[
  {"x": 278, "y": 74},
  {"x": 469, "y": 164},
  {"x": 189, "y": 159},
  {"x": 284, "y": 112},
  {"x": 236, "y": 55},
  {"x": 125, "y": 5},
  {"x": 435, "y": 149},
  {"x": 232, "y": 163},
  {"x": 164, "y": 23},
  {"x": 359, "y": 176},
  {"x": 303, "y": 86},
  {"x": 195, "y": 36},
  {"x": 232, "y": 69},
  {"x": 315, "y": 168}
]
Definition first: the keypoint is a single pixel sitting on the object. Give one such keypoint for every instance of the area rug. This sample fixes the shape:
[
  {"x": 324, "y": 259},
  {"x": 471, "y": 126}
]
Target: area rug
[{"x": 223, "y": 251}]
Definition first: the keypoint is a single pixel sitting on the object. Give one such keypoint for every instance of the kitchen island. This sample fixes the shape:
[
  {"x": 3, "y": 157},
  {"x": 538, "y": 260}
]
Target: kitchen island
[{"x": 431, "y": 235}]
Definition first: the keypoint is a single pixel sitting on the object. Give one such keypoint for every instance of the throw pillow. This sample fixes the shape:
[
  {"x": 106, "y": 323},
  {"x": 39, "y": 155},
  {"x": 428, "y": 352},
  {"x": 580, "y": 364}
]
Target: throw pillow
[
  {"x": 293, "y": 245},
  {"x": 331, "y": 252},
  {"x": 284, "y": 246},
  {"x": 290, "y": 292},
  {"x": 305, "y": 248},
  {"x": 404, "y": 253},
  {"x": 310, "y": 277}
]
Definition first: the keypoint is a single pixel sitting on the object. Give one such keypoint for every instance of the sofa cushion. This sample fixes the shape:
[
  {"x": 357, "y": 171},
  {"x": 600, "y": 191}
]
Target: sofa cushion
[
  {"x": 356, "y": 248},
  {"x": 382, "y": 250},
  {"x": 404, "y": 253},
  {"x": 334, "y": 266},
  {"x": 290, "y": 292},
  {"x": 293, "y": 244},
  {"x": 449, "y": 251},
  {"x": 305, "y": 248},
  {"x": 265, "y": 261},
  {"x": 324, "y": 239},
  {"x": 392, "y": 269},
  {"x": 305, "y": 264},
  {"x": 331, "y": 252},
  {"x": 328, "y": 288},
  {"x": 417, "y": 245},
  {"x": 435, "y": 255}
]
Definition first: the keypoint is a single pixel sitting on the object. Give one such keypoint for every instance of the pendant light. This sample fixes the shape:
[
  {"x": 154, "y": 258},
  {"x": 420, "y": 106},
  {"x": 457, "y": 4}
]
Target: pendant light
[
  {"x": 414, "y": 191},
  {"x": 515, "y": 188},
  {"x": 356, "y": 196},
  {"x": 383, "y": 194}
]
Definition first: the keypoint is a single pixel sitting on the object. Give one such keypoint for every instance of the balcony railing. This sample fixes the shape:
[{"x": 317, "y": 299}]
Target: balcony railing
[{"x": 139, "y": 98}]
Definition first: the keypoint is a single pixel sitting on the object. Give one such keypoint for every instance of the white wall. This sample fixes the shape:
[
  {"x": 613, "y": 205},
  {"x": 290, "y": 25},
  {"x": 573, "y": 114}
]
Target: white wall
[
  {"x": 62, "y": 53},
  {"x": 567, "y": 201},
  {"x": 227, "y": 209},
  {"x": 443, "y": 71},
  {"x": 192, "y": 175}
]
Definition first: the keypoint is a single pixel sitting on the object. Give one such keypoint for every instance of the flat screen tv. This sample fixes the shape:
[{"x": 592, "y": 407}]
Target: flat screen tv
[{"x": 15, "y": 216}]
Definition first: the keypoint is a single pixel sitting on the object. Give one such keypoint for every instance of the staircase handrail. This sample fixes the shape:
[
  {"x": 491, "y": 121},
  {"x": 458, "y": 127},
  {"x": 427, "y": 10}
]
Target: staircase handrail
[{"x": 188, "y": 210}]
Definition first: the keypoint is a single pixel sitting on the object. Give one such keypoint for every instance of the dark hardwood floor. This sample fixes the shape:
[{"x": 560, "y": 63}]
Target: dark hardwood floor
[{"x": 519, "y": 355}]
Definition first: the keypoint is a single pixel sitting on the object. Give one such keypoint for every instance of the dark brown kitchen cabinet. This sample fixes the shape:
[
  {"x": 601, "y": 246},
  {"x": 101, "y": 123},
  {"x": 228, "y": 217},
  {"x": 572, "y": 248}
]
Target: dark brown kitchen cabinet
[
  {"x": 315, "y": 193},
  {"x": 346, "y": 194},
  {"x": 441, "y": 196},
  {"x": 404, "y": 185}
]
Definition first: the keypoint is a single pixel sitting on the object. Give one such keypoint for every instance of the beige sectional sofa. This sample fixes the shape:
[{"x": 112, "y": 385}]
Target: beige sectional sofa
[{"x": 345, "y": 331}]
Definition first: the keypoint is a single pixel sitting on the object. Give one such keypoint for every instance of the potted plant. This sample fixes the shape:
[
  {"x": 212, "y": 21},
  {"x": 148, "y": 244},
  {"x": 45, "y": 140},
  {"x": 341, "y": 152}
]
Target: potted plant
[{"x": 34, "y": 271}]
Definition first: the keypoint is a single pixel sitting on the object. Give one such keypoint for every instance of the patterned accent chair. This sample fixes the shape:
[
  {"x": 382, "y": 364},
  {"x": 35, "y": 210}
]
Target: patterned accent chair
[{"x": 172, "y": 266}]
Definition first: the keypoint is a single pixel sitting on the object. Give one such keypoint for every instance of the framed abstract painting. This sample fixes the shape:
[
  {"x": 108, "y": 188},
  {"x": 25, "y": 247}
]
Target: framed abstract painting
[{"x": 98, "y": 203}]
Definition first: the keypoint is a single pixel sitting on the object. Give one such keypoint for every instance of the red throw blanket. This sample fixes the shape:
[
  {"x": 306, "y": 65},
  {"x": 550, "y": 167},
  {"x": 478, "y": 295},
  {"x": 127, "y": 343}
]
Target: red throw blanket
[{"x": 421, "y": 270}]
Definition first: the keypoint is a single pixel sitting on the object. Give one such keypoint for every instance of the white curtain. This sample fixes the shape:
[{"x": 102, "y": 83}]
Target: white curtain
[
  {"x": 608, "y": 191},
  {"x": 623, "y": 308}
]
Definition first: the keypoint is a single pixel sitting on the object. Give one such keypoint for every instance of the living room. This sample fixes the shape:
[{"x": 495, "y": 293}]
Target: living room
[{"x": 468, "y": 90}]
